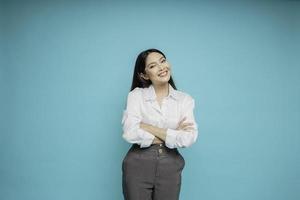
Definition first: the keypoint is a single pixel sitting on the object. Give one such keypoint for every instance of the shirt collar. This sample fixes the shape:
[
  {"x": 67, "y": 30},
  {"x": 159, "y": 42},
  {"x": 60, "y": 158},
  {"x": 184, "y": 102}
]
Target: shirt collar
[{"x": 151, "y": 95}]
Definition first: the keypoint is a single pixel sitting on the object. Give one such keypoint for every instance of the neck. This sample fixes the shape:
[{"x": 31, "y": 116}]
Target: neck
[{"x": 161, "y": 90}]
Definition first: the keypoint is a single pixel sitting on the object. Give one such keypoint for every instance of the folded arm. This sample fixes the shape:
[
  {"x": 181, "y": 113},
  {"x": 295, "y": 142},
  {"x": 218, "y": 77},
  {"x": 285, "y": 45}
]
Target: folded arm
[
  {"x": 135, "y": 131},
  {"x": 175, "y": 138},
  {"x": 131, "y": 120}
]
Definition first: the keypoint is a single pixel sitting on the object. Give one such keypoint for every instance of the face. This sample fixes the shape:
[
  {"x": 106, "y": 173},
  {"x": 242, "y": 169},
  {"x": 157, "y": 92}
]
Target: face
[{"x": 157, "y": 69}]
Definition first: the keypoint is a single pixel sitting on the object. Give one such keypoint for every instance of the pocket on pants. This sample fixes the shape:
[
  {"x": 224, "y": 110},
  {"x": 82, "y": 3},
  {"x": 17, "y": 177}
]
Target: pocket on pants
[
  {"x": 129, "y": 156},
  {"x": 125, "y": 160},
  {"x": 181, "y": 160}
]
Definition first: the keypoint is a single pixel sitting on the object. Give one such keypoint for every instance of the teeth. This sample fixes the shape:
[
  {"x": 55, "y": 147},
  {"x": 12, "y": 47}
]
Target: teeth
[{"x": 163, "y": 74}]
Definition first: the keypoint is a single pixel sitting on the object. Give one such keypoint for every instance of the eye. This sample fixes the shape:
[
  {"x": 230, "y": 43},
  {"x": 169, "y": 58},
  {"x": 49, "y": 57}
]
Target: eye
[
  {"x": 164, "y": 60},
  {"x": 151, "y": 66}
]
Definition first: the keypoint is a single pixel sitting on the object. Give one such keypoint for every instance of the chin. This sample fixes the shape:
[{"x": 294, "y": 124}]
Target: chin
[{"x": 163, "y": 81}]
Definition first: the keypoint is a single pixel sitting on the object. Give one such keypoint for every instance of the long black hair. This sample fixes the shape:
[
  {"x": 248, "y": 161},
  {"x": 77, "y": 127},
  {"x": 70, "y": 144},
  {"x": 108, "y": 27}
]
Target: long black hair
[{"x": 140, "y": 65}]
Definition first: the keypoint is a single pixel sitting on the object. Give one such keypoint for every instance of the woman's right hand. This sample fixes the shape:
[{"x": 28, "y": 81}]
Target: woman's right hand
[
  {"x": 184, "y": 126},
  {"x": 157, "y": 141}
]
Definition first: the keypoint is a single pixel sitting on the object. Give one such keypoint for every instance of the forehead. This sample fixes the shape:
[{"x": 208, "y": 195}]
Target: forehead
[{"x": 153, "y": 57}]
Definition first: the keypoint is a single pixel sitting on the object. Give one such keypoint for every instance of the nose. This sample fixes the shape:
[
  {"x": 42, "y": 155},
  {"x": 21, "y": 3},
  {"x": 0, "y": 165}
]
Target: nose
[{"x": 161, "y": 66}]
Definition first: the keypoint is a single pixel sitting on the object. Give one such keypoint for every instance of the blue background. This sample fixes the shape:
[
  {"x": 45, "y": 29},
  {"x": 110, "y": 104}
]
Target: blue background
[{"x": 66, "y": 70}]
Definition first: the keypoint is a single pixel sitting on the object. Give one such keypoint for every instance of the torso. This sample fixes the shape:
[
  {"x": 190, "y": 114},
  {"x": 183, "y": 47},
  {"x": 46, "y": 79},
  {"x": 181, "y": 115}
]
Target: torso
[
  {"x": 159, "y": 101},
  {"x": 164, "y": 112}
]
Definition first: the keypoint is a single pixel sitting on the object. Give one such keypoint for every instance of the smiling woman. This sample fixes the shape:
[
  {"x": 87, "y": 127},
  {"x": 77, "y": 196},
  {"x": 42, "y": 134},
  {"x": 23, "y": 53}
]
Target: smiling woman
[{"x": 158, "y": 119}]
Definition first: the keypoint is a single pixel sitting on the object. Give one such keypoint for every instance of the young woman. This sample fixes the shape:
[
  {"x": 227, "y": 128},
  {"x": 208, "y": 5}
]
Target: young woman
[{"x": 158, "y": 119}]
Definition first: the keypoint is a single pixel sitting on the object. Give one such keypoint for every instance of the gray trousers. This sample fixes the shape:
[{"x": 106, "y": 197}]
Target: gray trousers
[{"x": 152, "y": 173}]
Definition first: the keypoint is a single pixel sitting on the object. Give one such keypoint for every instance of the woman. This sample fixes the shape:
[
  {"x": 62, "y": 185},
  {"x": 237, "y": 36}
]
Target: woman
[{"x": 158, "y": 119}]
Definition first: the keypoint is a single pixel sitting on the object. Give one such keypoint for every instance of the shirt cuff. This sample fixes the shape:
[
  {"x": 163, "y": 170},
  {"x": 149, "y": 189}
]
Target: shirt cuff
[
  {"x": 147, "y": 138},
  {"x": 171, "y": 136}
]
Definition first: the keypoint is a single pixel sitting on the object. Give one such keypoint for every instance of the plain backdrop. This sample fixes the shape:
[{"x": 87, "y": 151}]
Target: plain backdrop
[{"x": 66, "y": 70}]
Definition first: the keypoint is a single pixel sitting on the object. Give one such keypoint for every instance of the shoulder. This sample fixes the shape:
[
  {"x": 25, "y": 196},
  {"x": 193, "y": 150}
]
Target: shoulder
[
  {"x": 135, "y": 93},
  {"x": 184, "y": 97}
]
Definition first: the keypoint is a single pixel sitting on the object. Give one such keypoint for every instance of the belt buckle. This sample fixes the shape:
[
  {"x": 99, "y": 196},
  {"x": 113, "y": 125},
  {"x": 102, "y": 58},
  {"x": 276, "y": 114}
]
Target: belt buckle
[{"x": 160, "y": 150}]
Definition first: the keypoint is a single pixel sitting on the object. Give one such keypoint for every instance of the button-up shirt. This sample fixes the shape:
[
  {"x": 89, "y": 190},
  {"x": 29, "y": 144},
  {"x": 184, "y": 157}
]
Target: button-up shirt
[{"x": 142, "y": 106}]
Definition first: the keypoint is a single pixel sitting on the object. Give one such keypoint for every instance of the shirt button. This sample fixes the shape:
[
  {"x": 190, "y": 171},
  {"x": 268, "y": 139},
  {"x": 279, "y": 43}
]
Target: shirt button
[
  {"x": 160, "y": 150},
  {"x": 160, "y": 144}
]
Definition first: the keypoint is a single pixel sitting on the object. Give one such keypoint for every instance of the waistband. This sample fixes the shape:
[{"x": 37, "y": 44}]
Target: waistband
[{"x": 153, "y": 146}]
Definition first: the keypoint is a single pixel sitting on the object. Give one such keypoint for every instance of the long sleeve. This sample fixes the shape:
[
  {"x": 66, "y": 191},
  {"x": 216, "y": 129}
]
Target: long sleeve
[
  {"x": 132, "y": 132},
  {"x": 182, "y": 138}
]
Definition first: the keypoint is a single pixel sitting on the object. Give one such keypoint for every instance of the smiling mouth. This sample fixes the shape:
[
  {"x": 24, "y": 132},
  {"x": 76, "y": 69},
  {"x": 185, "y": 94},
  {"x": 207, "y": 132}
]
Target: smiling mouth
[{"x": 163, "y": 73}]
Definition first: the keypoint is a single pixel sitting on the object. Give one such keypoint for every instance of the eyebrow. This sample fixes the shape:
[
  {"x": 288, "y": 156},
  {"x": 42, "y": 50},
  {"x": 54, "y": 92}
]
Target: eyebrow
[{"x": 154, "y": 62}]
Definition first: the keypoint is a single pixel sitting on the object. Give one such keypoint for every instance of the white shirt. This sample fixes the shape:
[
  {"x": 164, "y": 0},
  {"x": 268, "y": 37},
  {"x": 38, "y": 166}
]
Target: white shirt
[{"x": 143, "y": 107}]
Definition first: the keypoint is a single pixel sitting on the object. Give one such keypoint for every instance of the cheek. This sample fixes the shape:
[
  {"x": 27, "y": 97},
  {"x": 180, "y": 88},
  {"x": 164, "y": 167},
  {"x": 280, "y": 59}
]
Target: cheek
[
  {"x": 168, "y": 66},
  {"x": 170, "y": 69},
  {"x": 152, "y": 73}
]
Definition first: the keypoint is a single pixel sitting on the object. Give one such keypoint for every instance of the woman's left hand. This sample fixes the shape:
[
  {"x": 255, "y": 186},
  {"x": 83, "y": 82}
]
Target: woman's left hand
[
  {"x": 144, "y": 126},
  {"x": 156, "y": 131}
]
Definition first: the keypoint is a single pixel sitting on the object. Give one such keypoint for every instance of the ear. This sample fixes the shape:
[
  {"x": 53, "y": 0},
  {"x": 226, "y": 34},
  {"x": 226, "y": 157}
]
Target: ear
[{"x": 144, "y": 76}]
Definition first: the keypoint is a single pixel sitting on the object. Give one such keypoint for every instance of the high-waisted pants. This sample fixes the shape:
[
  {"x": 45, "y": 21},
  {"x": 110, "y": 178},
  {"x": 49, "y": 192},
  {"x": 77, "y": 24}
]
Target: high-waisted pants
[{"x": 152, "y": 173}]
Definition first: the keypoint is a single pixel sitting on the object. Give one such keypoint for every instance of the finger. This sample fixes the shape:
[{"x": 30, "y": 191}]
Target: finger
[
  {"x": 187, "y": 124},
  {"x": 180, "y": 125},
  {"x": 182, "y": 120},
  {"x": 188, "y": 129}
]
